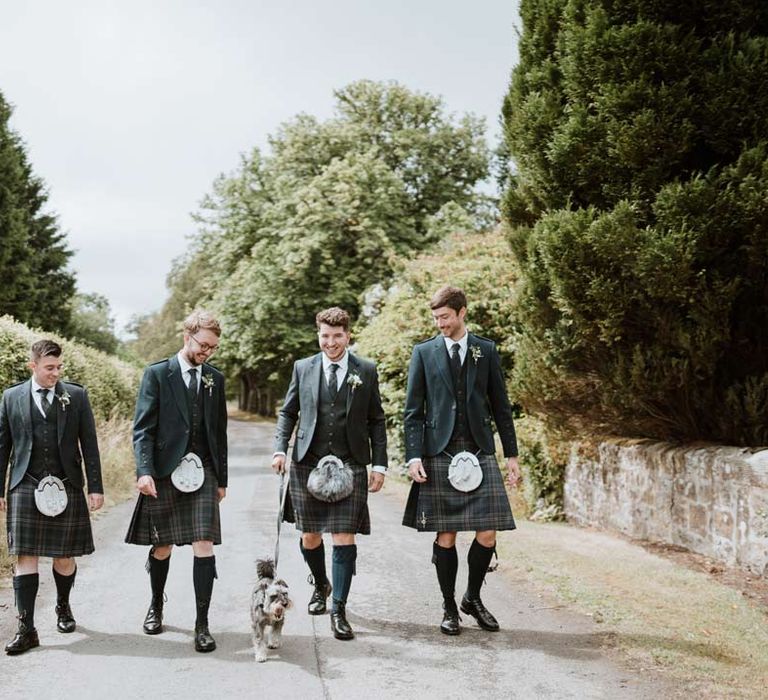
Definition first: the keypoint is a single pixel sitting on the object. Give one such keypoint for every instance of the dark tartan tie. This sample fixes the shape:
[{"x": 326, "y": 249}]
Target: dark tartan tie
[
  {"x": 333, "y": 383},
  {"x": 44, "y": 402},
  {"x": 192, "y": 386},
  {"x": 455, "y": 363}
]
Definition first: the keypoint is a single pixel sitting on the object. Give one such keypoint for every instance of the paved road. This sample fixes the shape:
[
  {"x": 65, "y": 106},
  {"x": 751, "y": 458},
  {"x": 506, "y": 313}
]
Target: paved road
[{"x": 394, "y": 608}]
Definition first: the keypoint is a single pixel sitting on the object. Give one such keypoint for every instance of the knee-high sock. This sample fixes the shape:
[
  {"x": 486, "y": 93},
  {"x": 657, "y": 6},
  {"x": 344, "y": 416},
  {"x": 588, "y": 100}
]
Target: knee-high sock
[
  {"x": 63, "y": 586},
  {"x": 478, "y": 558},
  {"x": 315, "y": 559},
  {"x": 344, "y": 557},
  {"x": 158, "y": 575},
  {"x": 446, "y": 561},
  {"x": 203, "y": 573},
  {"x": 25, "y": 590}
]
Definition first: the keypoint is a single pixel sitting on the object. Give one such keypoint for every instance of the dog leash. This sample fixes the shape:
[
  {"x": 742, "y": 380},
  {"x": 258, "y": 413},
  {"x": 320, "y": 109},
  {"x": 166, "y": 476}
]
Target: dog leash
[{"x": 283, "y": 493}]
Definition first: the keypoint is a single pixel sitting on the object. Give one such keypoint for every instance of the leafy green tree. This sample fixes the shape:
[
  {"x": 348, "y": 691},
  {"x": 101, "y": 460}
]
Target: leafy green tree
[
  {"x": 323, "y": 215},
  {"x": 640, "y": 207},
  {"x": 37, "y": 285},
  {"x": 92, "y": 323}
]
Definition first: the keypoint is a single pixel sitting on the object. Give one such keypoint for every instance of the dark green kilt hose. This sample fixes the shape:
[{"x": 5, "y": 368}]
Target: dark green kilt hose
[
  {"x": 435, "y": 506},
  {"x": 34, "y": 534},
  {"x": 175, "y": 517},
  {"x": 350, "y": 515}
]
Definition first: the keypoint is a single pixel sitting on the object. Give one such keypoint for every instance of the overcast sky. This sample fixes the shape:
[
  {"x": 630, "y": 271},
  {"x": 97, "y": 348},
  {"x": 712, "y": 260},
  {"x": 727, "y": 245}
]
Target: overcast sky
[{"x": 130, "y": 109}]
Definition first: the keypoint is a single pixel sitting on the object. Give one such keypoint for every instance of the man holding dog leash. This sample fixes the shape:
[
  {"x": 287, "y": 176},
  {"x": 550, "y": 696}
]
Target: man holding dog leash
[
  {"x": 333, "y": 402},
  {"x": 455, "y": 388}
]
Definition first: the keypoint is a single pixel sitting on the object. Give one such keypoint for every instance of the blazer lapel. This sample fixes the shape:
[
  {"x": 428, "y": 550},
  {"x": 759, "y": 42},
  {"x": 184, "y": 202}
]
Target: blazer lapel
[
  {"x": 177, "y": 387},
  {"x": 314, "y": 380},
  {"x": 471, "y": 363},
  {"x": 352, "y": 368},
  {"x": 61, "y": 410},
  {"x": 24, "y": 405},
  {"x": 441, "y": 360}
]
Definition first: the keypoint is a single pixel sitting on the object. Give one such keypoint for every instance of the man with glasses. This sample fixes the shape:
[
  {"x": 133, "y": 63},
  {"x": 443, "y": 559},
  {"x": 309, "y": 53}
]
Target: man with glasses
[{"x": 180, "y": 446}]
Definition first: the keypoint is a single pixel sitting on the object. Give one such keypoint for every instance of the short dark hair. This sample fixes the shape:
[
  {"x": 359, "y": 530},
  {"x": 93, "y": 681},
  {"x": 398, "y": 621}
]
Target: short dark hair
[
  {"x": 334, "y": 316},
  {"x": 44, "y": 348},
  {"x": 452, "y": 297}
]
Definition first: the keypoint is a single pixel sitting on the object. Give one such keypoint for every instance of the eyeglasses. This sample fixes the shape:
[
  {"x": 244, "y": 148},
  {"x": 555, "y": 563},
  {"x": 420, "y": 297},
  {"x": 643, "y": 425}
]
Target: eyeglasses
[{"x": 204, "y": 347}]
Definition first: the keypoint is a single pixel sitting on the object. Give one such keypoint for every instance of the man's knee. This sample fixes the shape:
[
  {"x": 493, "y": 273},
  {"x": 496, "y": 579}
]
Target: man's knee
[
  {"x": 446, "y": 539},
  {"x": 162, "y": 552},
  {"x": 64, "y": 565},
  {"x": 311, "y": 540},
  {"x": 26, "y": 564},
  {"x": 487, "y": 538},
  {"x": 203, "y": 548},
  {"x": 343, "y": 538}
]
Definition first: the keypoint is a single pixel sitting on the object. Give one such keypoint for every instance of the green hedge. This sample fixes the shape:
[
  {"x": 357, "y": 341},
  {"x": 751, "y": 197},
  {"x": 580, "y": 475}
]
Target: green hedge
[{"x": 111, "y": 383}]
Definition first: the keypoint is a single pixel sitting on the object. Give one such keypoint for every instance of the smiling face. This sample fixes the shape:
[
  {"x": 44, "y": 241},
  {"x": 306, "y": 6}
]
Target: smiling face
[
  {"x": 333, "y": 341},
  {"x": 46, "y": 370},
  {"x": 450, "y": 322},
  {"x": 199, "y": 346}
]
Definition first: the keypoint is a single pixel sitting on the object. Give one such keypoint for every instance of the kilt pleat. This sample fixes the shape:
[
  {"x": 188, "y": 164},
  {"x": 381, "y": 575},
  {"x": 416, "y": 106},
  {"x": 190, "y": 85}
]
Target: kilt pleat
[
  {"x": 32, "y": 533},
  {"x": 350, "y": 515},
  {"x": 435, "y": 506},
  {"x": 175, "y": 517}
]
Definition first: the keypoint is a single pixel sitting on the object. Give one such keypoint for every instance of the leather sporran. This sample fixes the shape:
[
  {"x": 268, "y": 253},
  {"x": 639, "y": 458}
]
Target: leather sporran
[{"x": 331, "y": 480}]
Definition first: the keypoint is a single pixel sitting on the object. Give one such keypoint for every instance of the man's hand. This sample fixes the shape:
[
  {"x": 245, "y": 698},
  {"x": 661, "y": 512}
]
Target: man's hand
[
  {"x": 2, "y": 505},
  {"x": 146, "y": 485},
  {"x": 222, "y": 493},
  {"x": 416, "y": 471},
  {"x": 513, "y": 472},
  {"x": 278, "y": 464},
  {"x": 95, "y": 500},
  {"x": 375, "y": 481}
]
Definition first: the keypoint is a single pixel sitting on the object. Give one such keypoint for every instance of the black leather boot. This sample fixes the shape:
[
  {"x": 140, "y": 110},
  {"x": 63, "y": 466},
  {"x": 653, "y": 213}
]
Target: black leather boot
[
  {"x": 339, "y": 625},
  {"x": 25, "y": 639},
  {"x": 65, "y": 622},
  {"x": 153, "y": 621},
  {"x": 204, "y": 642},
  {"x": 317, "y": 603},
  {"x": 450, "y": 624}
]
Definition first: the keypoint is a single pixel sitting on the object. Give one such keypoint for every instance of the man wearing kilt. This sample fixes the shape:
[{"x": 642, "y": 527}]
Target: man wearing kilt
[
  {"x": 334, "y": 398},
  {"x": 179, "y": 440},
  {"x": 47, "y": 431},
  {"x": 455, "y": 388}
]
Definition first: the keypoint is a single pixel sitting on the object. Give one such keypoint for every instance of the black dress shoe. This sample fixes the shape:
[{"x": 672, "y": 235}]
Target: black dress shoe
[
  {"x": 204, "y": 642},
  {"x": 339, "y": 625},
  {"x": 476, "y": 608},
  {"x": 26, "y": 638},
  {"x": 317, "y": 604},
  {"x": 153, "y": 622},
  {"x": 65, "y": 622},
  {"x": 450, "y": 624}
]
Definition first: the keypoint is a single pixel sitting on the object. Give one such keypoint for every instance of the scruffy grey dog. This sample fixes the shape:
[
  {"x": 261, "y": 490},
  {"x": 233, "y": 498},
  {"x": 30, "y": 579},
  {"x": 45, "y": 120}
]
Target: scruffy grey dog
[{"x": 268, "y": 605}]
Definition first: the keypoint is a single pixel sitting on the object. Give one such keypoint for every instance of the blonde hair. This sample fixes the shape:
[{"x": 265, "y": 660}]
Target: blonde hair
[{"x": 200, "y": 318}]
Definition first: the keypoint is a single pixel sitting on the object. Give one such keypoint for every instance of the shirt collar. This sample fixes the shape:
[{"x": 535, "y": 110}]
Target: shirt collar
[
  {"x": 36, "y": 386},
  {"x": 342, "y": 363},
  {"x": 185, "y": 366},
  {"x": 462, "y": 343}
]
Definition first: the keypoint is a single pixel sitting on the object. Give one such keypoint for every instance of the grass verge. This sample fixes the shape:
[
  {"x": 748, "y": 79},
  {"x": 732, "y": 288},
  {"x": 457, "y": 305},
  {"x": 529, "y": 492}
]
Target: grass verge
[{"x": 707, "y": 638}]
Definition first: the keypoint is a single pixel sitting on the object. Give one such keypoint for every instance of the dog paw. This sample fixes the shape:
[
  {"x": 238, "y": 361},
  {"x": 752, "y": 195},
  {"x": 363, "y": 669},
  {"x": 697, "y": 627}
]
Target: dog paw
[
  {"x": 274, "y": 645},
  {"x": 261, "y": 658}
]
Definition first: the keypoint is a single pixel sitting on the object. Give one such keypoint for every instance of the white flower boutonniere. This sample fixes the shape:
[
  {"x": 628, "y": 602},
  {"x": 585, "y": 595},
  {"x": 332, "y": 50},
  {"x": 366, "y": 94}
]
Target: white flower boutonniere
[
  {"x": 64, "y": 399},
  {"x": 208, "y": 381},
  {"x": 354, "y": 381},
  {"x": 477, "y": 353}
]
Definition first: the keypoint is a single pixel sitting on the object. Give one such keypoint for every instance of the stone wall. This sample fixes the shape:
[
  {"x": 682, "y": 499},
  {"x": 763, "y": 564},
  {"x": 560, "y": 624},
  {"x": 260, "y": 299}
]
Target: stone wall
[{"x": 711, "y": 500}]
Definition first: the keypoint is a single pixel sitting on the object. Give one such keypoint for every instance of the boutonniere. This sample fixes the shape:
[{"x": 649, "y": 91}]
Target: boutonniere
[
  {"x": 64, "y": 399},
  {"x": 208, "y": 381},
  {"x": 477, "y": 353},
  {"x": 354, "y": 381}
]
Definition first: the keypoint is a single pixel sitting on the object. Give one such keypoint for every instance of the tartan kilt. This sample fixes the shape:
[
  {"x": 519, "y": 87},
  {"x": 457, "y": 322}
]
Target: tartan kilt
[
  {"x": 350, "y": 515},
  {"x": 435, "y": 506},
  {"x": 32, "y": 533},
  {"x": 175, "y": 517}
]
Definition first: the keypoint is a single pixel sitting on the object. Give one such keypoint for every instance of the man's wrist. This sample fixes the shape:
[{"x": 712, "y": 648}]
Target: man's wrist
[
  {"x": 412, "y": 460},
  {"x": 379, "y": 469},
  {"x": 278, "y": 454}
]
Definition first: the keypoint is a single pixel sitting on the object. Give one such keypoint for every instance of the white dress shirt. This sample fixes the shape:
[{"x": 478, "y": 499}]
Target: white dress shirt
[
  {"x": 449, "y": 343},
  {"x": 38, "y": 398},
  {"x": 185, "y": 367}
]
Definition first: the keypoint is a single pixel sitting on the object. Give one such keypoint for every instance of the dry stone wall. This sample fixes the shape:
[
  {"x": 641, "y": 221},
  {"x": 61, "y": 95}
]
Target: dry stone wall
[{"x": 709, "y": 499}]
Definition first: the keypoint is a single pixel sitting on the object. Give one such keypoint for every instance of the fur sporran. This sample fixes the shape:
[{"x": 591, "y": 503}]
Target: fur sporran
[{"x": 331, "y": 480}]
